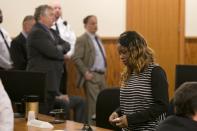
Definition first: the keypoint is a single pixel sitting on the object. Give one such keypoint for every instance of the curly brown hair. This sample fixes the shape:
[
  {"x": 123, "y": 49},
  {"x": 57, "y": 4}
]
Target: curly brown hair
[{"x": 140, "y": 55}]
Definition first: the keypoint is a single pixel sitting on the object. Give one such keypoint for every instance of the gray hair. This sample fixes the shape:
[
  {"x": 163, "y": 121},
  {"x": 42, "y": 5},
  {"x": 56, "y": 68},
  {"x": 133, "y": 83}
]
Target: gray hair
[{"x": 41, "y": 11}]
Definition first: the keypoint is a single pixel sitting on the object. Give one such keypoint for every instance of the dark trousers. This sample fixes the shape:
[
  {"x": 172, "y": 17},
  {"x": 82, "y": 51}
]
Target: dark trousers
[
  {"x": 2, "y": 68},
  {"x": 77, "y": 104},
  {"x": 63, "y": 82},
  {"x": 48, "y": 104}
]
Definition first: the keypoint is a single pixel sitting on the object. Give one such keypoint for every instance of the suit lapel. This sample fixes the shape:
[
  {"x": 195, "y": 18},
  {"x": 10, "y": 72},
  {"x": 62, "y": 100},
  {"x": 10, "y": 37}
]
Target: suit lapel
[
  {"x": 47, "y": 31},
  {"x": 90, "y": 44},
  {"x": 23, "y": 41}
]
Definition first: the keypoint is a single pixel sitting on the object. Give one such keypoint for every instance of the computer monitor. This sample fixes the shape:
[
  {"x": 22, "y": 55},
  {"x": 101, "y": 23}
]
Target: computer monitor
[
  {"x": 19, "y": 84},
  {"x": 185, "y": 73}
]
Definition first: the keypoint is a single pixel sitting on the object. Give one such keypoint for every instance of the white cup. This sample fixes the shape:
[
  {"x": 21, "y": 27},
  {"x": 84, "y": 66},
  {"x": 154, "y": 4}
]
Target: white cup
[{"x": 31, "y": 116}]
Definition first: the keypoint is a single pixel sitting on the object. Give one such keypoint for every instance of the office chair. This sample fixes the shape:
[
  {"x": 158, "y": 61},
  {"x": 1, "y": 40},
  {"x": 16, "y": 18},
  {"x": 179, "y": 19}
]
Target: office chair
[{"x": 107, "y": 102}]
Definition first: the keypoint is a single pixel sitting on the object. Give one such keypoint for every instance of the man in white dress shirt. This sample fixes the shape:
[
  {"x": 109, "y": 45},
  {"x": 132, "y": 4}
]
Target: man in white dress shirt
[
  {"x": 64, "y": 29},
  {"x": 5, "y": 60},
  {"x": 6, "y": 112}
]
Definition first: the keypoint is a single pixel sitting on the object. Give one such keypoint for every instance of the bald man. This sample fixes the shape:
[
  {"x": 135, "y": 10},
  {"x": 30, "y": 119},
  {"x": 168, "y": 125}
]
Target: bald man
[{"x": 63, "y": 28}]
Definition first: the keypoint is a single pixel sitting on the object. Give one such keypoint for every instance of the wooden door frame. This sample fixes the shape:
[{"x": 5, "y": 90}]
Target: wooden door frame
[{"x": 182, "y": 31}]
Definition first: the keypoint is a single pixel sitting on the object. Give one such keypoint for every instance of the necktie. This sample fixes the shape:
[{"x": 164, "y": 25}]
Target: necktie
[
  {"x": 51, "y": 34},
  {"x": 5, "y": 40},
  {"x": 101, "y": 50},
  {"x": 57, "y": 29}
]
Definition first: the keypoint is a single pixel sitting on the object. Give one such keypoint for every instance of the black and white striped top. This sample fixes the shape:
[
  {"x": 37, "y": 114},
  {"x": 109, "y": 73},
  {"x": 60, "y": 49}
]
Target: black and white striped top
[{"x": 137, "y": 97}]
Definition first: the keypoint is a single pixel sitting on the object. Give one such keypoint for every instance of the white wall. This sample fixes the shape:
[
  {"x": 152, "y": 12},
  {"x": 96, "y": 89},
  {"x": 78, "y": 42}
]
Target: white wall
[
  {"x": 191, "y": 18},
  {"x": 111, "y": 14}
]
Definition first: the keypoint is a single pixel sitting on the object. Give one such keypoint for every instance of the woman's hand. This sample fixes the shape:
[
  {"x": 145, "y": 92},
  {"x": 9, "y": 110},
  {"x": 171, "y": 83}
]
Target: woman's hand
[
  {"x": 121, "y": 121},
  {"x": 113, "y": 116},
  {"x": 115, "y": 120}
]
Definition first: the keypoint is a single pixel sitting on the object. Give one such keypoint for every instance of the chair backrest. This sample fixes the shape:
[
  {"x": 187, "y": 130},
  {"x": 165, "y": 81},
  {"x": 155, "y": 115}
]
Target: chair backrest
[
  {"x": 185, "y": 73},
  {"x": 107, "y": 102}
]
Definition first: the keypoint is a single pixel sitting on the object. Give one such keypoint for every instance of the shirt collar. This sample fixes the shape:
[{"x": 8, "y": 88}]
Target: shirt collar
[
  {"x": 58, "y": 21},
  {"x": 44, "y": 26},
  {"x": 24, "y": 34},
  {"x": 91, "y": 35}
]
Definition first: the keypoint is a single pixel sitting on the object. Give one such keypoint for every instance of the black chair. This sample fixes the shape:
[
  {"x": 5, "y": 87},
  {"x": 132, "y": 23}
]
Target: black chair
[
  {"x": 184, "y": 73},
  {"x": 107, "y": 102}
]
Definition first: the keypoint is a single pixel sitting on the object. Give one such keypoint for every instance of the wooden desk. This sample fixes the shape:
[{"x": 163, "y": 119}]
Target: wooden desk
[{"x": 20, "y": 124}]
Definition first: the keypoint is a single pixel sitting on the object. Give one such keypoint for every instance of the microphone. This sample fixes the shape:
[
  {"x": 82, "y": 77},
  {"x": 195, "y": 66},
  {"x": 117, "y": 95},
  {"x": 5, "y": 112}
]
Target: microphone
[{"x": 65, "y": 23}]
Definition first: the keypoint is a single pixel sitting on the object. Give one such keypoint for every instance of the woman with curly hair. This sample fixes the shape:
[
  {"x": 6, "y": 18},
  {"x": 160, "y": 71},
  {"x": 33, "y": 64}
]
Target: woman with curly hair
[{"x": 144, "y": 87}]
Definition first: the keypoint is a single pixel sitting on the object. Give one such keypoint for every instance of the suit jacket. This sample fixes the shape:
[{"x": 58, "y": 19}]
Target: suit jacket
[
  {"x": 46, "y": 54},
  {"x": 18, "y": 52},
  {"x": 83, "y": 57}
]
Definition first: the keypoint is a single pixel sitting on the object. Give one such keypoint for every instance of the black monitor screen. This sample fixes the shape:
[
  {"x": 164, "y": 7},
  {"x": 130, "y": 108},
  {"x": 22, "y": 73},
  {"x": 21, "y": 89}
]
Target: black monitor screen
[
  {"x": 21, "y": 83},
  {"x": 185, "y": 73}
]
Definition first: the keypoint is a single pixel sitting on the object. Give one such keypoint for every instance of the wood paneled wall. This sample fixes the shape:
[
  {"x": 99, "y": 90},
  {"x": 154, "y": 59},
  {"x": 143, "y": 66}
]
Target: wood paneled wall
[
  {"x": 114, "y": 68},
  {"x": 190, "y": 50}
]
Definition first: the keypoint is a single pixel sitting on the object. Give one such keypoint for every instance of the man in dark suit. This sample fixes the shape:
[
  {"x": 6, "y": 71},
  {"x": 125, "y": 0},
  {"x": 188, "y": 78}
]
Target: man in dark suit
[
  {"x": 89, "y": 58},
  {"x": 18, "y": 49},
  {"x": 46, "y": 51}
]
